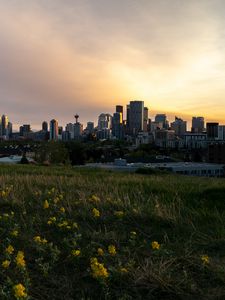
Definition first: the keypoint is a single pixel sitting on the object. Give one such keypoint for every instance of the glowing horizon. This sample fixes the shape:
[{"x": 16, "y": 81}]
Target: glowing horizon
[{"x": 62, "y": 57}]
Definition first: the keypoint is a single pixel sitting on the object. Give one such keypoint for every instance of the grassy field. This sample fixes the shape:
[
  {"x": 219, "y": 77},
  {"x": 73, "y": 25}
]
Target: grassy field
[{"x": 83, "y": 234}]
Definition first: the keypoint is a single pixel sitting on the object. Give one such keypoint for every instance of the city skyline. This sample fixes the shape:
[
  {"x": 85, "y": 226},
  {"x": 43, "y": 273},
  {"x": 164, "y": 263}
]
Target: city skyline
[
  {"x": 85, "y": 57},
  {"x": 83, "y": 119}
]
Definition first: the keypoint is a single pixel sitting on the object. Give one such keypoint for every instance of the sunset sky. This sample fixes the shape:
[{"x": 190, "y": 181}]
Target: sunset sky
[{"x": 61, "y": 57}]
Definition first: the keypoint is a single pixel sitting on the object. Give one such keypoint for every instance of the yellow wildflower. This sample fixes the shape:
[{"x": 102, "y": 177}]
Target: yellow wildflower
[
  {"x": 94, "y": 198},
  {"x": 123, "y": 270},
  {"x": 96, "y": 213},
  {"x": 39, "y": 240},
  {"x": 155, "y": 245},
  {"x": 56, "y": 200},
  {"x": 14, "y": 233},
  {"x": 205, "y": 259},
  {"x": 119, "y": 214},
  {"x": 51, "y": 220},
  {"x": 9, "y": 249},
  {"x": 4, "y": 194},
  {"x": 5, "y": 264},
  {"x": 19, "y": 291},
  {"x": 46, "y": 204},
  {"x": 20, "y": 259},
  {"x": 62, "y": 209},
  {"x": 100, "y": 252},
  {"x": 75, "y": 252},
  {"x": 75, "y": 225},
  {"x": 98, "y": 269},
  {"x": 63, "y": 224},
  {"x": 112, "y": 250},
  {"x": 133, "y": 233}
]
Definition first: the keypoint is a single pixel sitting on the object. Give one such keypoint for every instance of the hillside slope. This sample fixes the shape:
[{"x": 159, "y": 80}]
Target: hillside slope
[{"x": 86, "y": 234}]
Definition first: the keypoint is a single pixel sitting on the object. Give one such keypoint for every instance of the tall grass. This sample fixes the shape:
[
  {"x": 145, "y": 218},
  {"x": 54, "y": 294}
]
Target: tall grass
[{"x": 185, "y": 215}]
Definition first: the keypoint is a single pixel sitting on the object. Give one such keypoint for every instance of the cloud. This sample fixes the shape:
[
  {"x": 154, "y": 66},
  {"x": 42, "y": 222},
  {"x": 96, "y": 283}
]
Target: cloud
[{"x": 61, "y": 57}]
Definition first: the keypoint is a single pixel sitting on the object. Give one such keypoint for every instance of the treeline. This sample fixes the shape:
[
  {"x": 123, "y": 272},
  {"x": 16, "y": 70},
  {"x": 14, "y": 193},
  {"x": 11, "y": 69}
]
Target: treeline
[{"x": 77, "y": 153}]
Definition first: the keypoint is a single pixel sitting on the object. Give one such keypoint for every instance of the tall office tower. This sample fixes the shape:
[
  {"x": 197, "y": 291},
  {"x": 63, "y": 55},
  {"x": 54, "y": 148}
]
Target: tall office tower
[
  {"x": 10, "y": 129},
  {"x": 4, "y": 125},
  {"x": 25, "y": 130},
  {"x": 179, "y": 126},
  {"x": 60, "y": 133},
  {"x": 54, "y": 131},
  {"x": 128, "y": 119},
  {"x": 136, "y": 117},
  {"x": 45, "y": 126},
  {"x": 221, "y": 132},
  {"x": 117, "y": 125},
  {"x": 161, "y": 118},
  {"x": 212, "y": 130},
  {"x": 70, "y": 129},
  {"x": 145, "y": 122},
  {"x": 198, "y": 125},
  {"x": 119, "y": 109},
  {"x": 90, "y": 127},
  {"x": 104, "y": 121},
  {"x": 78, "y": 130}
]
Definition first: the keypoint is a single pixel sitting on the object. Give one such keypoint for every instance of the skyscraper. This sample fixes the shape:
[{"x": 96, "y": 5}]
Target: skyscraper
[
  {"x": 104, "y": 121},
  {"x": 161, "y": 118},
  {"x": 25, "y": 130},
  {"x": 136, "y": 117},
  {"x": 90, "y": 127},
  {"x": 54, "y": 130},
  {"x": 45, "y": 126},
  {"x": 145, "y": 123},
  {"x": 212, "y": 130},
  {"x": 117, "y": 125},
  {"x": 198, "y": 125},
  {"x": 119, "y": 109},
  {"x": 10, "y": 129},
  {"x": 4, "y": 125},
  {"x": 179, "y": 126}
]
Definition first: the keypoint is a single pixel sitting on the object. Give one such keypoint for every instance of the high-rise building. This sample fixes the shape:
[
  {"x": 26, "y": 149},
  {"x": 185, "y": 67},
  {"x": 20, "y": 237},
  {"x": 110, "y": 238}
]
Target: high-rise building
[
  {"x": 4, "y": 125},
  {"x": 90, "y": 127},
  {"x": 179, "y": 126},
  {"x": 119, "y": 109},
  {"x": 104, "y": 121},
  {"x": 221, "y": 132},
  {"x": 25, "y": 130},
  {"x": 45, "y": 126},
  {"x": 145, "y": 122},
  {"x": 78, "y": 130},
  {"x": 117, "y": 125},
  {"x": 10, "y": 129},
  {"x": 136, "y": 117},
  {"x": 198, "y": 125},
  {"x": 128, "y": 118},
  {"x": 54, "y": 131},
  {"x": 161, "y": 118},
  {"x": 60, "y": 133},
  {"x": 212, "y": 130},
  {"x": 70, "y": 129}
]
